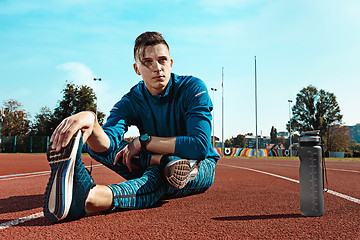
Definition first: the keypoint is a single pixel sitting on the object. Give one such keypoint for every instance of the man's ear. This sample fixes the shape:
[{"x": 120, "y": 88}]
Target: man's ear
[
  {"x": 171, "y": 62},
  {"x": 136, "y": 68}
]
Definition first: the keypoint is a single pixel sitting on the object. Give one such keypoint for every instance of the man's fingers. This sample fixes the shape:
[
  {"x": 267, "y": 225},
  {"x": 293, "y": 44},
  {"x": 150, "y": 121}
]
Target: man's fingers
[
  {"x": 56, "y": 136},
  {"x": 118, "y": 156},
  {"x": 68, "y": 133}
]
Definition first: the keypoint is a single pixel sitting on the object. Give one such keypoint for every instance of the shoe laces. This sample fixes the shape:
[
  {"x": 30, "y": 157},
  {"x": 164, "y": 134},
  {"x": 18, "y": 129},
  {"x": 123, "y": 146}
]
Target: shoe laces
[{"x": 90, "y": 171}]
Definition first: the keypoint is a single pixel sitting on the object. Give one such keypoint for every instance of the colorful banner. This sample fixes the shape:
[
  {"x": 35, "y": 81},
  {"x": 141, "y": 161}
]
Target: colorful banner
[{"x": 250, "y": 152}]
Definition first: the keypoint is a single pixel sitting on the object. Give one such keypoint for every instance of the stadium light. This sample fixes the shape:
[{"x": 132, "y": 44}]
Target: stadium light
[
  {"x": 290, "y": 148},
  {"x": 256, "y": 127},
  {"x": 96, "y": 79},
  {"x": 213, "y": 125}
]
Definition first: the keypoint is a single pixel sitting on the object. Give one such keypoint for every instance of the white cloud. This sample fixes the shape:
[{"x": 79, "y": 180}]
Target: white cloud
[{"x": 78, "y": 73}]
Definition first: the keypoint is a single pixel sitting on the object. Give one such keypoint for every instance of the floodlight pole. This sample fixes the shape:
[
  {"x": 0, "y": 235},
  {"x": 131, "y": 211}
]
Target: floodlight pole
[
  {"x": 96, "y": 79},
  {"x": 2, "y": 116},
  {"x": 222, "y": 109},
  {"x": 0, "y": 127},
  {"x": 256, "y": 128},
  {"x": 290, "y": 147},
  {"x": 213, "y": 125}
]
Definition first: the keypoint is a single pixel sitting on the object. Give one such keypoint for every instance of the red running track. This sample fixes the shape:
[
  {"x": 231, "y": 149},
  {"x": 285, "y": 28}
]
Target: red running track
[{"x": 242, "y": 203}]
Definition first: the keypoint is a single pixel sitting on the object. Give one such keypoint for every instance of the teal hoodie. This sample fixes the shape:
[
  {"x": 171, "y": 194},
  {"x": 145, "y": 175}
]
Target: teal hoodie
[{"x": 183, "y": 111}]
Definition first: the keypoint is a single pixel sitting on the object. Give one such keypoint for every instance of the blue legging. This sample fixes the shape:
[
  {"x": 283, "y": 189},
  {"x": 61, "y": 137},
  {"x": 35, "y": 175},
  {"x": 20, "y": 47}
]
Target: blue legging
[{"x": 145, "y": 186}]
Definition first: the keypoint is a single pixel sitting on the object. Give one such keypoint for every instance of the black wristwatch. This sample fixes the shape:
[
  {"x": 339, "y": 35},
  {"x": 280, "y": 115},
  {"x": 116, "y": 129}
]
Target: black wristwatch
[{"x": 144, "y": 139}]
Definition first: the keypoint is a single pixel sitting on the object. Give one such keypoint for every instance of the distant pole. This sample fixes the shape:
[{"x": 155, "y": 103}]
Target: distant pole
[
  {"x": 2, "y": 116},
  {"x": 257, "y": 144},
  {"x": 222, "y": 108},
  {"x": 213, "y": 125},
  {"x": 96, "y": 79},
  {"x": 290, "y": 147}
]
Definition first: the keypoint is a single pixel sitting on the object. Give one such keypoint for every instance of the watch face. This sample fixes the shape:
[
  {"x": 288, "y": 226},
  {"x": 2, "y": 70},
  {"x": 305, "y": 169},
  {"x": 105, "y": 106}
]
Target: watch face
[{"x": 144, "y": 137}]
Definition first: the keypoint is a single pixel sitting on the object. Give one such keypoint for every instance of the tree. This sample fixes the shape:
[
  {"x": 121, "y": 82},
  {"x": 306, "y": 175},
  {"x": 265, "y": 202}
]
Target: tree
[
  {"x": 338, "y": 138},
  {"x": 354, "y": 148},
  {"x": 315, "y": 110},
  {"x": 16, "y": 122},
  {"x": 273, "y": 135},
  {"x": 228, "y": 143},
  {"x": 239, "y": 141},
  {"x": 76, "y": 99},
  {"x": 280, "y": 140},
  {"x": 42, "y": 124}
]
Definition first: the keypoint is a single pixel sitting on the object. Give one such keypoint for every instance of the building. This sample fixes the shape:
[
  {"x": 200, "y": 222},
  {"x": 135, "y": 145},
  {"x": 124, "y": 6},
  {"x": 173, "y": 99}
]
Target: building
[
  {"x": 262, "y": 141},
  {"x": 285, "y": 134}
]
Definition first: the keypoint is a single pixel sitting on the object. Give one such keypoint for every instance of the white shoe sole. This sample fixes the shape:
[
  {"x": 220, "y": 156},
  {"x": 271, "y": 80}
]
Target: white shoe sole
[
  {"x": 59, "y": 190},
  {"x": 178, "y": 173}
]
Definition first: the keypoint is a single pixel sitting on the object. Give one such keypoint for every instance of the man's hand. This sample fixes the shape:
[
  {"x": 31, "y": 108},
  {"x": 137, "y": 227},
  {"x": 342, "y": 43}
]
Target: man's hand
[
  {"x": 69, "y": 126},
  {"x": 129, "y": 152}
]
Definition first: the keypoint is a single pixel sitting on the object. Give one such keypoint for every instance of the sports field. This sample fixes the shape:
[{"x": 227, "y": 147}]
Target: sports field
[{"x": 251, "y": 198}]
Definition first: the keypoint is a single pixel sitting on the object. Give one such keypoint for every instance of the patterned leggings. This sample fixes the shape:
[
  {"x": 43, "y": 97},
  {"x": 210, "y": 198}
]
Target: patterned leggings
[{"x": 145, "y": 186}]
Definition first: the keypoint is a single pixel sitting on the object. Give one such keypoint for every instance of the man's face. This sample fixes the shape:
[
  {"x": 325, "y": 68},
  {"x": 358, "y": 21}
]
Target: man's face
[{"x": 155, "y": 68}]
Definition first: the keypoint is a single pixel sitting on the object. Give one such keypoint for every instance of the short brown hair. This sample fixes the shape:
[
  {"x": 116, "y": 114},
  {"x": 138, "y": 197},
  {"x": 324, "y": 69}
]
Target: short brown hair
[{"x": 147, "y": 39}]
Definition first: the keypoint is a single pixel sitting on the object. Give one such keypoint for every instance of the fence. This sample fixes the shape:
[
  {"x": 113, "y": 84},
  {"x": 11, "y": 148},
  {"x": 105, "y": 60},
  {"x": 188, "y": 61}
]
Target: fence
[
  {"x": 39, "y": 144},
  {"x": 250, "y": 152},
  {"x": 24, "y": 144}
]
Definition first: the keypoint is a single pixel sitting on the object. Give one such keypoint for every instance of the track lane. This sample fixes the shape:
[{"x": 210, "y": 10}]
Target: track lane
[{"x": 240, "y": 204}]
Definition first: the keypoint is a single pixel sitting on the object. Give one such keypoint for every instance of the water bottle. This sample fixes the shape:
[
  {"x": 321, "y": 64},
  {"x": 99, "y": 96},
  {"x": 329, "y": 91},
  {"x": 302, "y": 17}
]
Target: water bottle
[{"x": 311, "y": 174}]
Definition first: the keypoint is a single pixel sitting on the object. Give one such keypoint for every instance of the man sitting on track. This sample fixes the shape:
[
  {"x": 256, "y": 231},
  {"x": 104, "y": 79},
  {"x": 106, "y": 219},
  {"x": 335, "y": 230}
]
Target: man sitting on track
[{"x": 173, "y": 156}]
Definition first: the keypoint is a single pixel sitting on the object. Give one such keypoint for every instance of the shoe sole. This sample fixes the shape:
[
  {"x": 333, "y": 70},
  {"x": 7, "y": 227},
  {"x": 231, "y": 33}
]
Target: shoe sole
[
  {"x": 58, "y": 193},
  {"x": 179, "y": 173}
]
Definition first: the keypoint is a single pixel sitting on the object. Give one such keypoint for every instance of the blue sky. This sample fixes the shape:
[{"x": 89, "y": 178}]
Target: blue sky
[{"x": 297, "y": 43}]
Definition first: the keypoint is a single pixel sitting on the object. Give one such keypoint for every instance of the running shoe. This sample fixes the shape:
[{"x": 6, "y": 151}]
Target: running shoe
[
  {"x": 177, "y": 171},
  {"x": 69, "y": 183}
]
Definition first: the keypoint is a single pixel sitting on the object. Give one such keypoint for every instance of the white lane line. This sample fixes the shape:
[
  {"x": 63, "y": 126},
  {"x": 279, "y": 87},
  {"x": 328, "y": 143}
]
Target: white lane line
[
  {"x": 21, "y": 220},
  {"x": 33, "y": 174},
  {"x": 23, "y": 174},
  {"x": 349, "y": 198},
  {"x": 297, "y": 166},
  {"x": 26, "y": 176},
  {"x": 343, "y": 170}
]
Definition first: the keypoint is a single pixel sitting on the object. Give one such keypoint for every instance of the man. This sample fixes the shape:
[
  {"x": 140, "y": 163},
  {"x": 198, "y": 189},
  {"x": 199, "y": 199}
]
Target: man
[{"x": 173, "y": 156}]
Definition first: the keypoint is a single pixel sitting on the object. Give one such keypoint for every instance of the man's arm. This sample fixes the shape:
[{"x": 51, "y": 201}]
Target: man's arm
[{"x": 160, "y": 145}]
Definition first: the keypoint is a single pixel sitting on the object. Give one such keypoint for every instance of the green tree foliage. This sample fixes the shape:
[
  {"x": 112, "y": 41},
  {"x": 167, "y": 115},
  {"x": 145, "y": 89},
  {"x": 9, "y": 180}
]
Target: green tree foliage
[
  {"x": 315, "y": 110},
  {"x": 354, "y": 149},
  {"x": 76, "y": 99},
  {"x": 228, "y": 143},
  {"x": 42, "y": 124},
  {"x": 16, "y": 122},
  {"x": 273, "y": 135},
  {"x": 338, "y": 138},
  {"x": 237, "y": 142}
]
